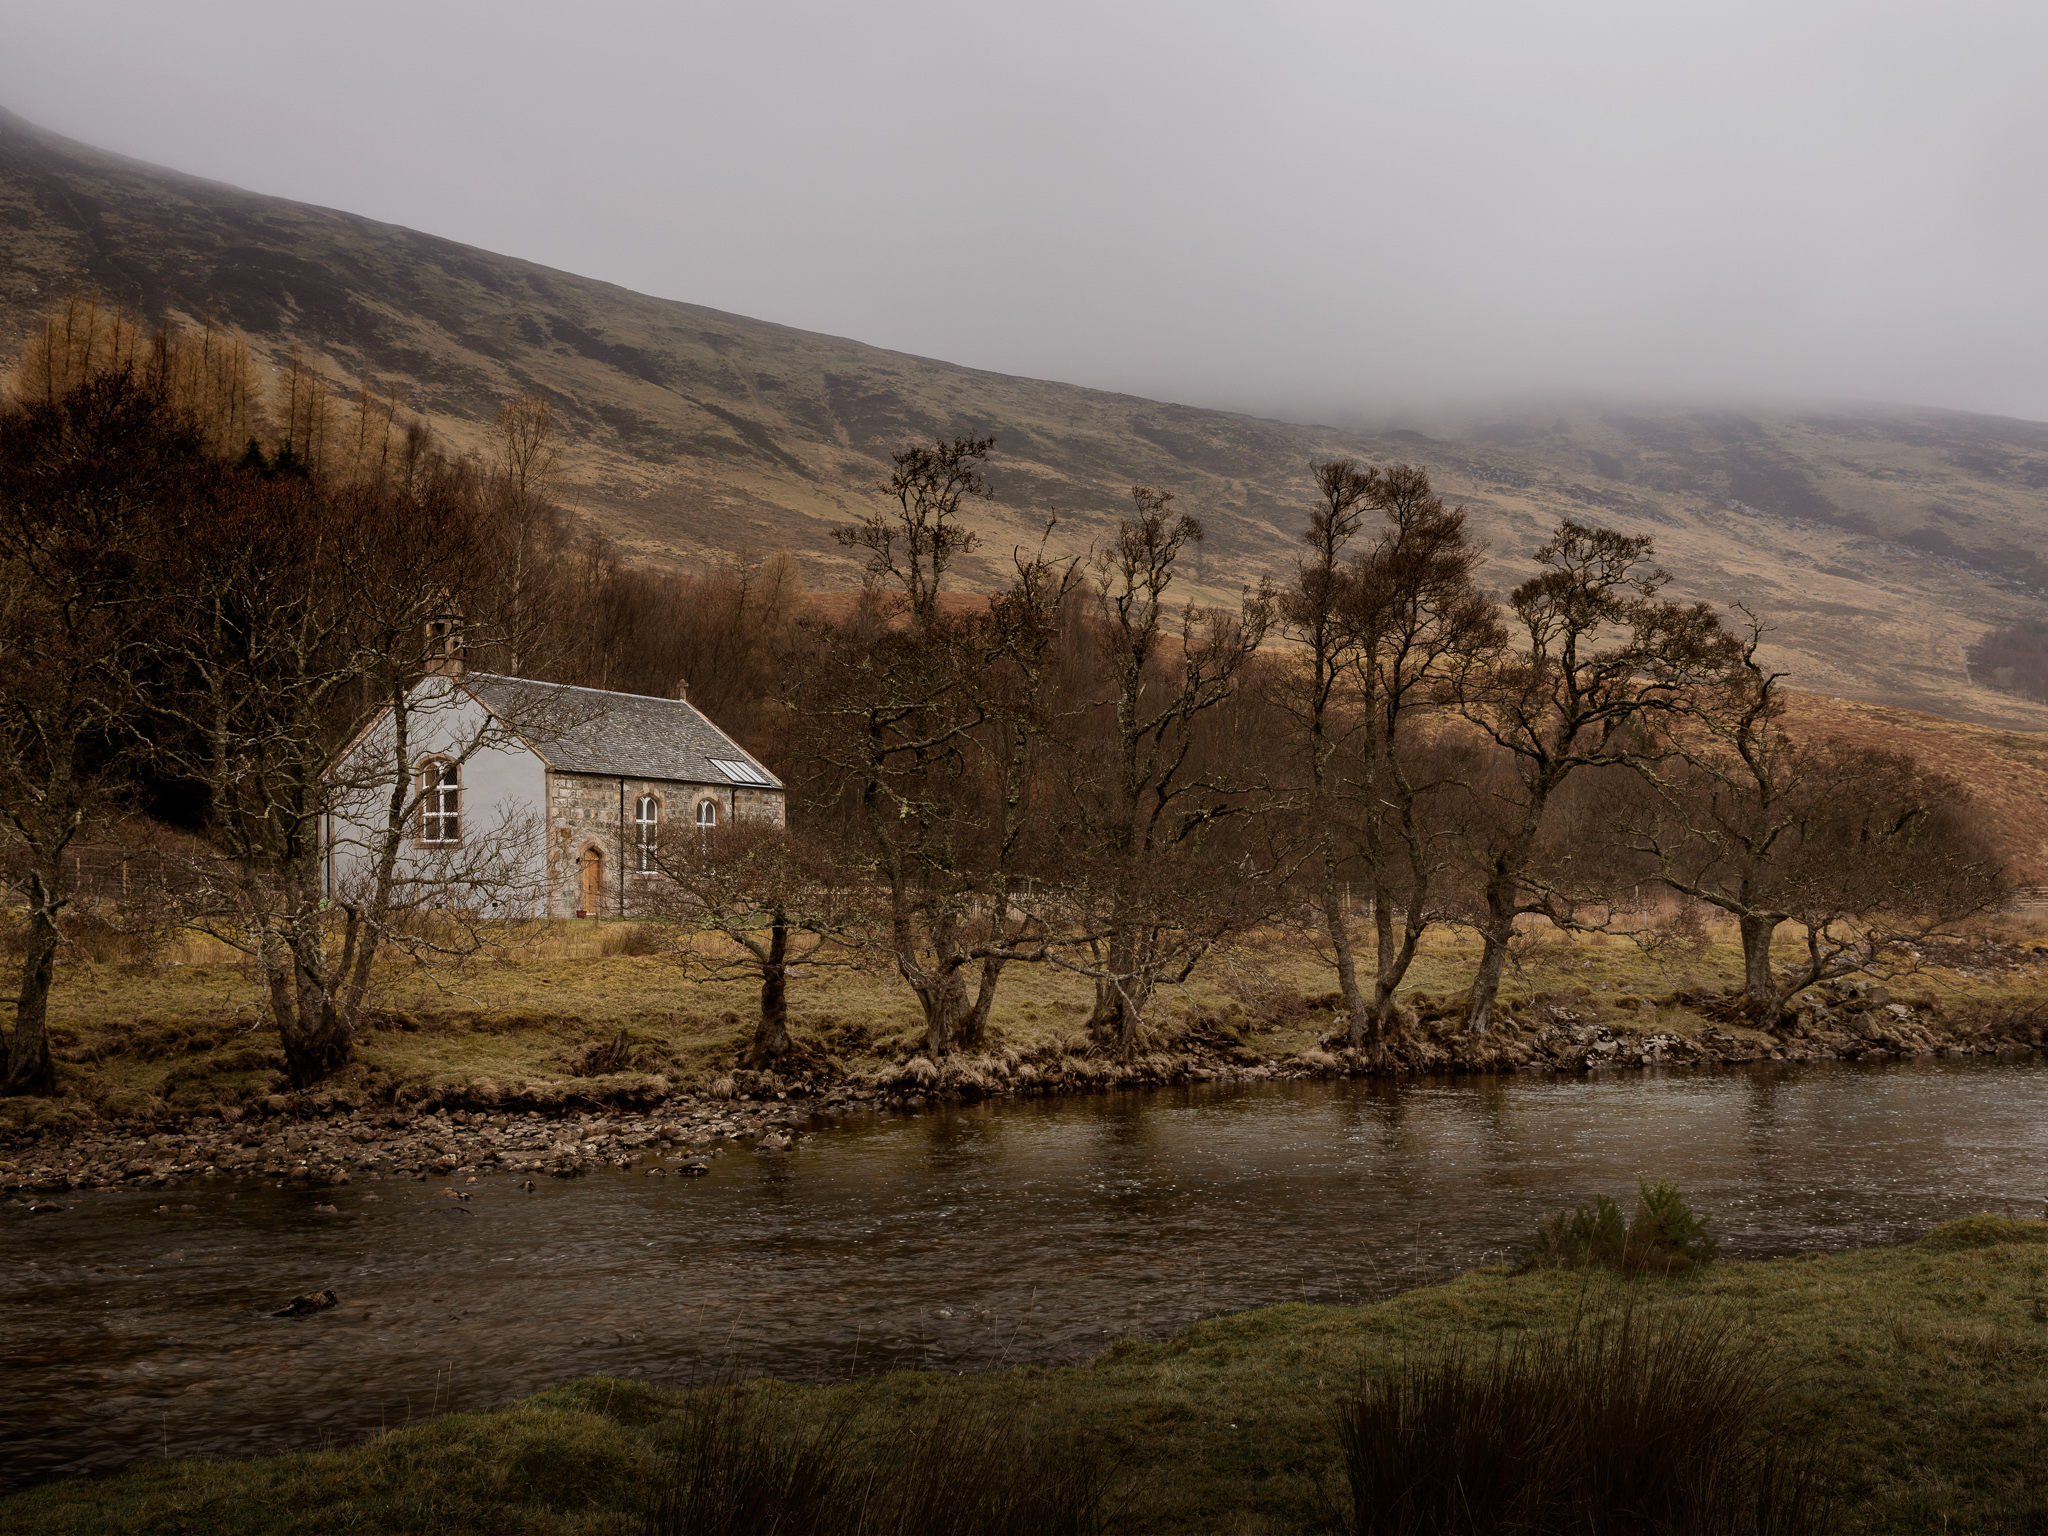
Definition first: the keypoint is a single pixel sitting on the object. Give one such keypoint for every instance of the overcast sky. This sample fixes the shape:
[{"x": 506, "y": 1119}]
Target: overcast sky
[{"x": 1322, "y": 210}]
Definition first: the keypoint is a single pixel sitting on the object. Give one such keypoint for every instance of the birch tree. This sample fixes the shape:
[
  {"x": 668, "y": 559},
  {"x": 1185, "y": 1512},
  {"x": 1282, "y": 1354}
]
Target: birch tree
[
  {"x": 1596, "y": 655},
  {"x": 1147, "y": 908}
]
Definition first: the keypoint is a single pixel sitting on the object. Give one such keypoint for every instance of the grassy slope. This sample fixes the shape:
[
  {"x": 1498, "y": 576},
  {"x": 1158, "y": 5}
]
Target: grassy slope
[
  {"x": 691, "y": 430},
  {"x": 1925, "y": 1363}
]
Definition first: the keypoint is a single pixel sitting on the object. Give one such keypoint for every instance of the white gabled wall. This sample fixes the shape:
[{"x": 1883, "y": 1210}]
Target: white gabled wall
[{"x": 501, "y": 856}]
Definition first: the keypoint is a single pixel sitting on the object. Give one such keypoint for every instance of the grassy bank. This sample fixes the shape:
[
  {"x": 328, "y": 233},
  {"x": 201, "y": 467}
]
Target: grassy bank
[
  {"x": 1925, "y": 1366},
  {"x": 589, "y": 1012}
]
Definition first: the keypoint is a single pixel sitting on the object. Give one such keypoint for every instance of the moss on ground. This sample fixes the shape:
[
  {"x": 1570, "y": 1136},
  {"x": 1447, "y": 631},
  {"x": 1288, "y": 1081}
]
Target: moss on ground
[{"x": 1926, "y": 1366}]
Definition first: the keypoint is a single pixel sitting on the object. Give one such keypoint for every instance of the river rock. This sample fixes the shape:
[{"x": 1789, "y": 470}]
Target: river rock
[{"x": 312, "y": 1301}]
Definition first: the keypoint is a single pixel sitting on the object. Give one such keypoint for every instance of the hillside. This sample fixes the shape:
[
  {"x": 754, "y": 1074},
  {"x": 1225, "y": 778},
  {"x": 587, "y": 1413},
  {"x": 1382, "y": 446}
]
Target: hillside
[{"x": 1879, "y": 543}]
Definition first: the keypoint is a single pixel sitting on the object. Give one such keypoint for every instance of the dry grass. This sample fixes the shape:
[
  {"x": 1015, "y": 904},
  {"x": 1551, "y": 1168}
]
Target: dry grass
[{"x": 563, "y": 1002}]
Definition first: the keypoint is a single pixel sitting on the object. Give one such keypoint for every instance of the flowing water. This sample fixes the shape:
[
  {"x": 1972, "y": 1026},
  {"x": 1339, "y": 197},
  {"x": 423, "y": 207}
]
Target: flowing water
[{"x": 1009, "y": 1232}]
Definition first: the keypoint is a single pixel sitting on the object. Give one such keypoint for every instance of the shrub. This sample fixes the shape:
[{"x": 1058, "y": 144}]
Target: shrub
[
  {"x": 738, "y": 1467},
  {"x": 1623, "y": 1425},
  {"x": 598, "y": 1058},
  {"x": 1664, "y": 1235}
]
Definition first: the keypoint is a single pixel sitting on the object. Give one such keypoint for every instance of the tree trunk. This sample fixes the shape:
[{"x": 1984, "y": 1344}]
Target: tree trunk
[
  {"x": 29, "y": 1067},
  {"x": 1355, "y": 1011},
  {"x": 771, "y": 1034},
  {"x": 941, "y": 992},
  {"x": 1393, "y": 960},
  {"x": 974, "y": 1024},
  {"x": 1757, "y": 990},
  {"x": 1114, "y": 1021},
  {"x": 1119, "y": 1005},
  {"x": 316, "y": 1045},
  {"x": 1493, "y": 960},
  {"x": 316, "y": 1026},
  {"x": 944, "y": 997}
]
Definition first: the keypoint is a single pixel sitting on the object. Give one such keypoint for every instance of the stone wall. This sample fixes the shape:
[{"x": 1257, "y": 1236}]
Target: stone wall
[{"x": 587, "y": 811}]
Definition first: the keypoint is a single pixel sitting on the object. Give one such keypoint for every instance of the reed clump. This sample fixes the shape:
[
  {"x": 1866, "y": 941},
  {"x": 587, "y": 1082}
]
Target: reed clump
[
  {"x": 735, "y": 1465},
  {"x": 1663, "y": 1236},
  {"x": 1626, "y": 1425}
]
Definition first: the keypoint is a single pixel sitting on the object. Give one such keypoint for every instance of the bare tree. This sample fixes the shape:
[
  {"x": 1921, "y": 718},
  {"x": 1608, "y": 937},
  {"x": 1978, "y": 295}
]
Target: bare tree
[
  {"x": 750, "y": 899},
  {"x": 1311, "y": 614},
  {"x": 920, "y": 734},
  {"x": 1382, "y": 634},
  {"x": 1018, "y": 641},
  {"x": 913, "y": 547},
  {"x": 532, "y": 535},
  {"x": 885, "y": 721},
  {"x": 1598, "y": 654},
  {"x": 310, "y": 615},
  {"x": 84, "y": 482},
  {"x": 1147, "y": 908},
  {"x": 1862, "y": 850},
  {"x": 920, "y": 741}
]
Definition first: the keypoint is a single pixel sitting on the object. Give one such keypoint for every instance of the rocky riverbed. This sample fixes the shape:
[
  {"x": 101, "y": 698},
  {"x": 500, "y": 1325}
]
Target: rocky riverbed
[{"x": 318, "y": 1140}]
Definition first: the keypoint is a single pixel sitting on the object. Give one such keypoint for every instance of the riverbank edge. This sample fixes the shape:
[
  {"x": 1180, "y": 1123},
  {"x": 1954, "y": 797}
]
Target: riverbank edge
[
  {"x": 400, "y": 1128},
  {"x": 1913, "y": 1361}
]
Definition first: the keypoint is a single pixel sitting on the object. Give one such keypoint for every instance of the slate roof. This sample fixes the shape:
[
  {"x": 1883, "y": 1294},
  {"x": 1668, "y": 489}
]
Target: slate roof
[{"x": 589, "y": 730}]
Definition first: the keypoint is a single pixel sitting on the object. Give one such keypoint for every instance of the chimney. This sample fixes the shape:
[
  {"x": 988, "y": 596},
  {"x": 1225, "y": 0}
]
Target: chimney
[{"x": 444, "y": 646}]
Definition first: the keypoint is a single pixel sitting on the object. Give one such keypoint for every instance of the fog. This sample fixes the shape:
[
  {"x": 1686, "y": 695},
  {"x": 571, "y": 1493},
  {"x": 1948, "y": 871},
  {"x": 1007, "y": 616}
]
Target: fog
[{"x": 1317, "y": 210}]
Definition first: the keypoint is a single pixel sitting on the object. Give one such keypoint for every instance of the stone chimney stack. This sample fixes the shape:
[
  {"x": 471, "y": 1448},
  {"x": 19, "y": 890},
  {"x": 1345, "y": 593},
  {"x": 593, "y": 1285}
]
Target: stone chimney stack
[{"x": 444, "y": 646}]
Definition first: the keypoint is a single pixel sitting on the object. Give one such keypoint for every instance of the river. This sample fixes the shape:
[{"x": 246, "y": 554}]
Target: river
[{"x": 1009, "y": 1232}]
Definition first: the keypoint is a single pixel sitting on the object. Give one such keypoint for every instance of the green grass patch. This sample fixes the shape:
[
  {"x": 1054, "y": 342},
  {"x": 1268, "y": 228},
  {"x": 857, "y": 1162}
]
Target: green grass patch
[{"x": 1923, "y": 1367}]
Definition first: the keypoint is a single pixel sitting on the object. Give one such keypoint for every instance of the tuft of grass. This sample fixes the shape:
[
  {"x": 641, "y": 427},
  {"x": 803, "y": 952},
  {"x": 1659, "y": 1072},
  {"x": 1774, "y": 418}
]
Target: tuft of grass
[
  {"x": 632, "y": 939},
  {"x": 1664, "y": 1236},
  {"x": 1630, "y": 1423},
  {"x": 738, "y": 1465}
]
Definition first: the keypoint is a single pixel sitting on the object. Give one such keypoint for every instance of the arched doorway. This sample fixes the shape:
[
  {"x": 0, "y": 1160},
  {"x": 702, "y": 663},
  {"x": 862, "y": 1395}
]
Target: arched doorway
[{"x": 592, "y": 872}]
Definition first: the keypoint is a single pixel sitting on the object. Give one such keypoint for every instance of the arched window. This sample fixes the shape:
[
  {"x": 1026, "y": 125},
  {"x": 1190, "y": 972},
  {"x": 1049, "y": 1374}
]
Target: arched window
[
  {"x": 440, "y": 802},
  {"x": 646, "y": 828},
  {"x": 707, "y": 813}
]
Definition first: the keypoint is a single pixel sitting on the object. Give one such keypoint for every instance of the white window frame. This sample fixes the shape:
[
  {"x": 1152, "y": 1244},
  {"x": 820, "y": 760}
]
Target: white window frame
[
  {"x": 440, "y": 803},
  {"x": 707, "y": 815},
  {"x": 646, "y": 830}
]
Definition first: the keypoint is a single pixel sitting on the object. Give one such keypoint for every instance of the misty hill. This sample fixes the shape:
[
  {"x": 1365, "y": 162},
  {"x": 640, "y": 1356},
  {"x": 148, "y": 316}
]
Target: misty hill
[{"x": 1880, "y": 543}]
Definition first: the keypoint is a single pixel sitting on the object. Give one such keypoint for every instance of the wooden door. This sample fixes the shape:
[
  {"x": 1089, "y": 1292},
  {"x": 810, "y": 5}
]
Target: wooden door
[{"x": 593, "y": 882}]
